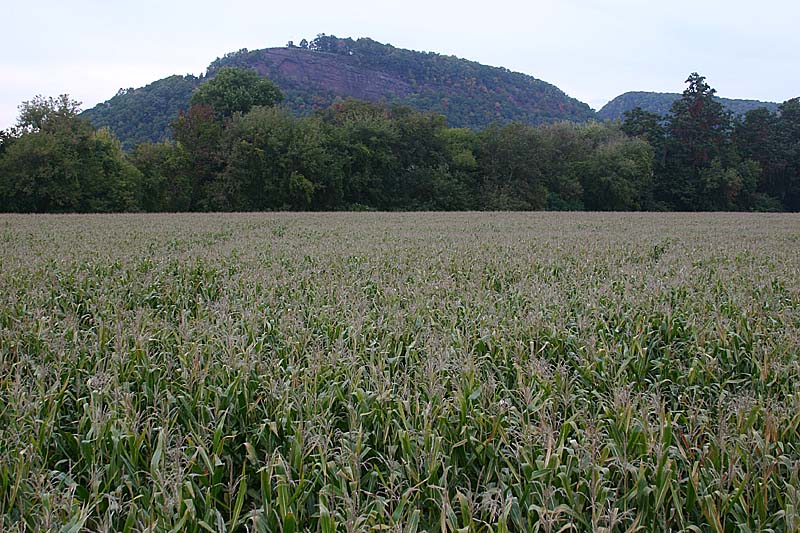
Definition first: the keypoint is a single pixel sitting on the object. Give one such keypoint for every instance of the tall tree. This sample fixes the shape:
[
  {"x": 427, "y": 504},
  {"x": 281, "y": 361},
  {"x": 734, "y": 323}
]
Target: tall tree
[
  {"x": 200, "y": 136},
  {"x": 699, "y": 131},
  {"x": 789, "y": 135}
]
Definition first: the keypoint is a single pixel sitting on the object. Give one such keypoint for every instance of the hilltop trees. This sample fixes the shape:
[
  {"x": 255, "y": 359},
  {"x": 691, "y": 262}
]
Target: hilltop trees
[
  {"x": 329, "y": 69},
  {"x": 144, "y": 115}
]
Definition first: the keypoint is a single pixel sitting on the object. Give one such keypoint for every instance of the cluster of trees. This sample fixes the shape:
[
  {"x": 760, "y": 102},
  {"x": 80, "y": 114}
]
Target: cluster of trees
[
  {"x": 708, "y": 159},
  {"x": 54, "y": 161},
  {"x": 236, "y": 148}
]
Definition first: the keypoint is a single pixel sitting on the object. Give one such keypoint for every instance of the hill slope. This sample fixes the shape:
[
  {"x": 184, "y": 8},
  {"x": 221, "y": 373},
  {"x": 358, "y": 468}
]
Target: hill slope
[
  {"x": 660, "y": 103},
  {"x": 144, "y": 114},
  {"x": 469, "y": 94}
]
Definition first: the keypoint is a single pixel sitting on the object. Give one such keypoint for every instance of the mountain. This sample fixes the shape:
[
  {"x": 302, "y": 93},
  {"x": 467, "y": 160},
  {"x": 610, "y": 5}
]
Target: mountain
[
  {"x": 144, "y": 114},
  {"x": 661, "y": 103},
  {"x": 316, "y": 74}
]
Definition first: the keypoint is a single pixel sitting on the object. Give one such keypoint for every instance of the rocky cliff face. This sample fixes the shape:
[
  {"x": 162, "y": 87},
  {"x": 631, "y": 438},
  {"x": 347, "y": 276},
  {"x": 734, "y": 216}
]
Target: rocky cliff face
[
  {"x": 326, "y": 73},
  {"x": 467, "y": 93}
]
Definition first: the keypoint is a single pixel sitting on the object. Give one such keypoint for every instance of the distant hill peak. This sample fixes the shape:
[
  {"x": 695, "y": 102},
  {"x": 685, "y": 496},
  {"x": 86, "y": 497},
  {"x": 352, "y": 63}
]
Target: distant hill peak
[
  {"x": 317, "y": 73},
  {"x": 661, "y": 103}
]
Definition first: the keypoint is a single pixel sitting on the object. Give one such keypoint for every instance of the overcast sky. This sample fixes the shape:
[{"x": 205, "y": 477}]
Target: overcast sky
[{"x": 593, "y": 50}]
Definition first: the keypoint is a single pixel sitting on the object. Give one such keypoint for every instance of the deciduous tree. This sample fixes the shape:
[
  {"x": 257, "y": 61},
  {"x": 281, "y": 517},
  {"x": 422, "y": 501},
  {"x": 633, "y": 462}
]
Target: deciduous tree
[{"x": 236, "y": 90}]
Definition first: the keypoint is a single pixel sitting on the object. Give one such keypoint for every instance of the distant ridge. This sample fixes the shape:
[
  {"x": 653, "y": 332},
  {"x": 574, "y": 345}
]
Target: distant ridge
[
  {"x": 661, "y": 103},
  {"x": 328, "y": 69}
]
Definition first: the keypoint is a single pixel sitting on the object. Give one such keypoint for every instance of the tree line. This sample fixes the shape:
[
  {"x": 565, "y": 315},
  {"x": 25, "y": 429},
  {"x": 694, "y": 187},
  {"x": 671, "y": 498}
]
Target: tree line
[{"x": 237, "y": 149}]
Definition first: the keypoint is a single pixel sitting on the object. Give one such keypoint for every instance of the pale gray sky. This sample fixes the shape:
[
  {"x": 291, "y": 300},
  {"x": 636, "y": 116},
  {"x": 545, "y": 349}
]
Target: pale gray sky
[{"x": 593, "y": 50}]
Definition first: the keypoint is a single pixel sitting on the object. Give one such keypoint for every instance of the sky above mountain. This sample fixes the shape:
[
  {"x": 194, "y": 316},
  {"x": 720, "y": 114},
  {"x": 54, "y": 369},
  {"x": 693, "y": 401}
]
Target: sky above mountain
[{"x": 593, "y": 50}]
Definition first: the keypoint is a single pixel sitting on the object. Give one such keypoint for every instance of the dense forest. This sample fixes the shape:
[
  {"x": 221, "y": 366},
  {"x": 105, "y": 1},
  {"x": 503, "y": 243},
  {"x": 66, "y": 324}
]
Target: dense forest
[
  {"x": 314, "y": 75},
  {"x": 237, "y": 147}
]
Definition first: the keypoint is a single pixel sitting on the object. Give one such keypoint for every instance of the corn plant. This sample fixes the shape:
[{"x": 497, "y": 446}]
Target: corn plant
[{"x": 400, "y": 372}]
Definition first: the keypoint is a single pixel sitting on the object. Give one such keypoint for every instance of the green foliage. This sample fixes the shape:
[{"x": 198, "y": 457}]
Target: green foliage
[
  {"x": 200, "y": 136},
  {"x": 640, "y": 123},
  {"x": 362, "y": 155},
  {"x": 707, "y": 160},
  {"x": 509, "y": 171},
  {"x": 236, "y": 90},
  {"x": 142, "y": 115},
  {"x": 699, "y": 127},
  {"x": 362, "y": 136},
  {"x": 723, "y": 189},
  {"x": 276, "y": 161},
  {"x": 789, "y": 135},
  {"x": 47, "y": 114},
  {"x": 166, "y": 182},
  {"x": 698, "y": 130},
  {"x": 54, "y": 161},
  {"x": 618, "y": 176}
]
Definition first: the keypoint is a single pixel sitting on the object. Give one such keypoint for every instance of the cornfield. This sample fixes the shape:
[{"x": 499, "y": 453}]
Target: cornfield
[{"x": 400, "y": 372}]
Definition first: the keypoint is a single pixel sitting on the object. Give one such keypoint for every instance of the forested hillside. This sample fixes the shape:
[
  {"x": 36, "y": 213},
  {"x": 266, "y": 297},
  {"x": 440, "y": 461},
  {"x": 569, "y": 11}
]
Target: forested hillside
[
  {"x": 661, "y": 104},
  {"x": 144, "y": 115},
  {"x": 313, "y": 75}
]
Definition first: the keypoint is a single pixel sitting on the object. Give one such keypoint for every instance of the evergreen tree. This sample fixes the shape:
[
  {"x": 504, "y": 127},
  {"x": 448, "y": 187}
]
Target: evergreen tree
[
  {"x": 699, "y": 131},
  {"x": 789, "y": 138}
]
